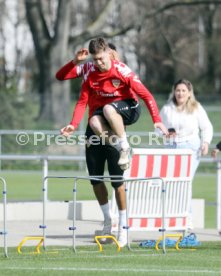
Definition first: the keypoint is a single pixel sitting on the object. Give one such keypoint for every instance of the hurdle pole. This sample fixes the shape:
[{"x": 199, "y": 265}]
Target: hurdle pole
[
  {"x": 4, "y": 232},
  {"x": 44, "y": 198},
  {"x": 163, "y": 214},
  {"x": 45, "y": 174},
  {"x": 127, "y": 217},
  {"x": 73, "y": 228}
]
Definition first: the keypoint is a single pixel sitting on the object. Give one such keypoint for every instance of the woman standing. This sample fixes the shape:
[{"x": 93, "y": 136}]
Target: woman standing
[
  {"x": 188, "y": 125},
  {"x": 187, "y": 122}
]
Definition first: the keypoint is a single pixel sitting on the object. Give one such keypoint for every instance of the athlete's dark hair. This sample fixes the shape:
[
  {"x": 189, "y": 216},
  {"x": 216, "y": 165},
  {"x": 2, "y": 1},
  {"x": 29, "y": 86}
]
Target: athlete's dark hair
[
  {"x": 96, "y": 45},
  {"x": 112, "y": 46}
]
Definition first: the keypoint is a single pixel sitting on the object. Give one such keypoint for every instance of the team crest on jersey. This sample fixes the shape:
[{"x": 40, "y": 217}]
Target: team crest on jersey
[{"x": 116, "y": 83}]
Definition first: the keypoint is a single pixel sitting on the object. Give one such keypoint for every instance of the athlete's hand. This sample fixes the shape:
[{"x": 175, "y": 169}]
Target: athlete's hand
[
  {"x": 162, "y": 127},
  {"x": 81, "y": 55},
  {"x": 68, "y": 130}
]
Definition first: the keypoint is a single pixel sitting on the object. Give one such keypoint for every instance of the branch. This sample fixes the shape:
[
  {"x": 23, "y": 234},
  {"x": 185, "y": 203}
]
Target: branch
[
  {"x": 85, "y": 36},
  {"x": 173, "y": 5},
  {"x": 102, "y": 18},
  {"x": 37, "y": 23},
  {"x": 62, "y": 22},
  {"x": 94, "y": 30},
  {"x": 173, "y": 55}
]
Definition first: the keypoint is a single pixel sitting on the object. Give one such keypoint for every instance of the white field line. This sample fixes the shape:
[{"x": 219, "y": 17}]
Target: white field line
[
  {"x": 110, "y": 269},
  {"x": 79, "y": 253}
]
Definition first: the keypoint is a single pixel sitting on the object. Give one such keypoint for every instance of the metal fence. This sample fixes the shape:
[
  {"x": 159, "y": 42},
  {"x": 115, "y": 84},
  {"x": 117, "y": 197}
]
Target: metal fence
[
  {"x": 80, "y": 158},
  {"x": 45, "y": 159},
  {"x": 52, "y": 143}
]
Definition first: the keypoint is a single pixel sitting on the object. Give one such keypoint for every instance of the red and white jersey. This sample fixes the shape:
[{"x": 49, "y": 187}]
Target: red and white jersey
[
  {"x": 73, "y": 71},
  {"x": 118, "y": 83}
]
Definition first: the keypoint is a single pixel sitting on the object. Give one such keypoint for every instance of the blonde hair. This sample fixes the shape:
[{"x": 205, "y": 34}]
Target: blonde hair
[{"x": 191, "y": 103}]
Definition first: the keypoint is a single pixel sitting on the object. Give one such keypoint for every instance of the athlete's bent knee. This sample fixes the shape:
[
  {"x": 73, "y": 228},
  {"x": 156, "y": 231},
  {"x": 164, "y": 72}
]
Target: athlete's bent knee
[
  {"x": 109, "y": 111},
  {"x": 94, "y": 122}
]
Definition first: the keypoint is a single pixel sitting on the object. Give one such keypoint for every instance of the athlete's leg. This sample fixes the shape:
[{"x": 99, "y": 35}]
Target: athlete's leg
[
  {"x": 101, "y": 193},
  {"x": 100, "y": 127},
  {"x": 115, "y": 120},
  {"x": 120, "y": 194},
  {"x": 115, "y": 116},
  {"x": 95, "y": 162},
  {"x": 118, "y": 114},
  {"x": 116, "y": 123},
  {"x": 111, "y": 130}
]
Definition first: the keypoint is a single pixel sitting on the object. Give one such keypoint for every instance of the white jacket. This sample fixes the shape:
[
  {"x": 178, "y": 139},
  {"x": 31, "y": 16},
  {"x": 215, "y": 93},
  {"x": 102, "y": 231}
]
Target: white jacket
[{"x": 187, "y": 125}]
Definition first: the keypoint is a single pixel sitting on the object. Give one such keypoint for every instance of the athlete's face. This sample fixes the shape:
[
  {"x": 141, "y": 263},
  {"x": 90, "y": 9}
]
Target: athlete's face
[{"x": 102, "y": 60}]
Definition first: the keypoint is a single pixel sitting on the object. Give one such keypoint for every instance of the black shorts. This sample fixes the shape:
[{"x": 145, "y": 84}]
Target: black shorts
[
  {"x": 129, "y": 110},
  {"x": 96, "y": 157}
]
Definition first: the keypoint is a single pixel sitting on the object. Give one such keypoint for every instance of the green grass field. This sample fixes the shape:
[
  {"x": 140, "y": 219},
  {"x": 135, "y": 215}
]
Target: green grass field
[
  {"x": 27, "y": 186},
  {"x": 205, "y": 260}
]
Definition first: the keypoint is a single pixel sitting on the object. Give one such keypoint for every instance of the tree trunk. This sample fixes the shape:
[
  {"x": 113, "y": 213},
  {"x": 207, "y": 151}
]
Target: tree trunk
[{"x": 50, "y": 54}]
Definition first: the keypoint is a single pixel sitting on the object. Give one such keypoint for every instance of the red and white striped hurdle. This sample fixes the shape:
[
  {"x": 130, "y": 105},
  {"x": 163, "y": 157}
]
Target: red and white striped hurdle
[
  {"x": 165, "y": 163},
  {"x": 144, "y": 198}
]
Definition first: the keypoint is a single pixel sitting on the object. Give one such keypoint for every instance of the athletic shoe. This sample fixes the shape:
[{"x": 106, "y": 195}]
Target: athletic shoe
[
  {"x": 124, "y": 157},
  {"x": 122, "y": 237},
  {"x": 106, "y": 231}
]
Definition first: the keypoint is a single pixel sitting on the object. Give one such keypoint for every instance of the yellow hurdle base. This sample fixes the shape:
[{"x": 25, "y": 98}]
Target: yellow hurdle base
[
  {"x": 37, "y": 250},
  {"x": 97, "y": 238}
]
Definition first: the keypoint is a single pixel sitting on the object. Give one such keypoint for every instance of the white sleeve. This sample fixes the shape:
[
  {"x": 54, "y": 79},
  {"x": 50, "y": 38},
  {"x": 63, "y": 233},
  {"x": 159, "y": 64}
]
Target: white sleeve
[
  {"x": 163, "y": 116},
  {"x": 164, "y": 113},
  {"x": 205, "y": 126}
]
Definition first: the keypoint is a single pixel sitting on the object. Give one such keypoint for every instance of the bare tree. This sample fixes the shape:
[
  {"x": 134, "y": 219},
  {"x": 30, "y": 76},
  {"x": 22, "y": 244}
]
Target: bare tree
[
  {"x": 51, "y": 49},
  {"x": 208, "y": 16}
]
